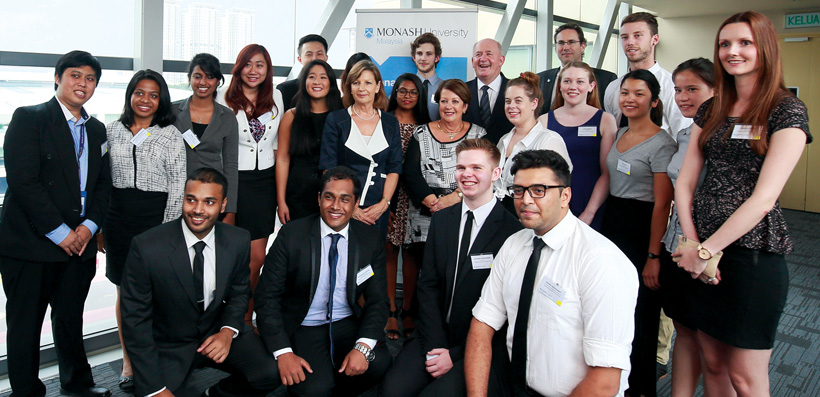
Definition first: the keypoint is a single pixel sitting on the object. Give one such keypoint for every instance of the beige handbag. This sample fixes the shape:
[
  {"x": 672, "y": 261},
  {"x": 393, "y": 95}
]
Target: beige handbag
[{"x": 711, "y": 264}]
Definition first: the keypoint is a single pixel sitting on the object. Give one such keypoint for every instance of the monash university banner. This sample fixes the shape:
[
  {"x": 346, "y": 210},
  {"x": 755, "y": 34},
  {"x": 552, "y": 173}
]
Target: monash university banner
[{"x": 386, "y": 35}]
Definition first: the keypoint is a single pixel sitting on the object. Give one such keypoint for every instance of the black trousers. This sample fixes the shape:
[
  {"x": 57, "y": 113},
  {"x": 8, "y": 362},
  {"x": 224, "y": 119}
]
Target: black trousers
[
  {"x": 30, "y": 288},
  {"x": 313, "y": 345},
  {"x": 409, "y": 377}
]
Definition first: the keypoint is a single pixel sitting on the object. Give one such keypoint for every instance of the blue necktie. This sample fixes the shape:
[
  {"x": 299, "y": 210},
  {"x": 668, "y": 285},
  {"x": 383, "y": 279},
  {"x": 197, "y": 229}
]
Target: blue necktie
[
  {"x": 484, "y": 106},
  {"x": 333, "y": 259}
]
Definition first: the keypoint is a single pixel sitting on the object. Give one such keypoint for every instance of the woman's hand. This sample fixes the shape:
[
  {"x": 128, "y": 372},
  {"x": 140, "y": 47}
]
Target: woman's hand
[
  {"x": 446, "y": 201},
  {"x": 283, "y": 212},
  {"x": 689, "y": 260},
  {"x": 586, "y": 217},
  {"x": 375, "y": 211},
  {"x": 650, "y": 274},
  {"x": 100, "y": 243},
  {"x": 359, "y": 215}
]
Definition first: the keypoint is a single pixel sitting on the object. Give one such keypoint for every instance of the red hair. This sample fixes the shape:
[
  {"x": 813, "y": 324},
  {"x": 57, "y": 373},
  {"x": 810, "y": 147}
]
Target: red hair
[
  {"x": 235, "y": 97},
  {"x": 769, "y": 88}
]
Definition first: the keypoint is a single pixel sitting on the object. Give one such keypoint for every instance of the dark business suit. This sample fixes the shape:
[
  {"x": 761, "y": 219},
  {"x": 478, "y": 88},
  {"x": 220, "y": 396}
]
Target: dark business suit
[
  {"x": 218, "y": 147},
  {"x": 289, "y": 89},
  {"x": 498, "y": 125},
  {"x": 408, "y": 376},
  {"x": 43, "y": 193},
  {"x": 287, "y": 288},
  {"x": 162, "y": 325},
  {"x": 548, "y": 77}
]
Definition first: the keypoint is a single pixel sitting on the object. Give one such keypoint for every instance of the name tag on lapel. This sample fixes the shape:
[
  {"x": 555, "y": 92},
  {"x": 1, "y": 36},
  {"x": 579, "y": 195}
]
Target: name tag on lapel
[
  {"x": 140, "y": 137},
  {"x": 190, "y": 138},
  {"x": 481, "y": 261},
  {"x": 364, "y": 274},
  {"x": 103, "y": 148}
]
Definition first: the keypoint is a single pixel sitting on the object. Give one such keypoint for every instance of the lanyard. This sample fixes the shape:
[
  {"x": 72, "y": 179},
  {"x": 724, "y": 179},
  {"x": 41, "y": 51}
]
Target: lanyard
[{"x": 80, "y": 151}]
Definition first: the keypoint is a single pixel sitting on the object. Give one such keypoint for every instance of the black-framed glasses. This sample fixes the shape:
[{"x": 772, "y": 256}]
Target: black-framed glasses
[
  {"x": 406, "y": 92},
  {"x": 536, "y": 191},
  {"x": 561, "y": 43}
]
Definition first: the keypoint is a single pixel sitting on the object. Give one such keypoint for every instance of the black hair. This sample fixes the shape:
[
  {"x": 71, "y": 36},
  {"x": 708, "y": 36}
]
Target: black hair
[
  {"x": 77, "y": 59},
  {"x": 420, "y": 113},
  {"x": 340, "y": 173},
  {"x": 701, "y": 67},
  {"x": 529, "y": 159},
  {"x": 354, "y": 59},
  {"x": 311, "y": 38},
  {"x": 163, "y": 116},
  {"x": 209, "y": 175},
  {"x": 209, "y": 65},
  {"x": 573, "y": 26},
  {"x": 305, "y": 134},
  {"x": 656, "y": 113}
]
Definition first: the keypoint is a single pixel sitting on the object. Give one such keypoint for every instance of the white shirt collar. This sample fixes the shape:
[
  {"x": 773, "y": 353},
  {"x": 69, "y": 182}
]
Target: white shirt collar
[
  {"x": 495, "y": 85},
  {"x": 480, "y": 214},
  {"x": 527, "y": 141},
  {"x": 655, "y": 68},
  {"x": 70, "y": 117},
  {"x": 325, "y": 230},
  {"x": 560, "y": 233},
  {"x": 191, "y": 239}
]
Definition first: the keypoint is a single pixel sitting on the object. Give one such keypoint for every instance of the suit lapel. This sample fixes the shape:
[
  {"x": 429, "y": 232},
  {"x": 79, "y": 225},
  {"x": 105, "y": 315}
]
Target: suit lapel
[
  {"x": 223, "y": 266},
  {"x": 451, "y": 235},
  {"x": 64, "y": 143},
  {"x": 184, "y": 116},
  {"x": 181, "y": 262},
  {"x": 315, "y": 257},
  {"x": 352, "y": 266}
]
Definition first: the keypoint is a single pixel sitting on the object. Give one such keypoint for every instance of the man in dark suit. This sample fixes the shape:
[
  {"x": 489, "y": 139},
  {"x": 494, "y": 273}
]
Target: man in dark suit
[
  {"x": 176, "y": 318},
  {"x": 307, "y": 300},
  {"x": 570, "y": 45},
  {"x": 59, "y": 180},
  {"x": 487, "y": 104},
  {"x": 461, "y": 244},
  {"x": 310, "y": 47}
]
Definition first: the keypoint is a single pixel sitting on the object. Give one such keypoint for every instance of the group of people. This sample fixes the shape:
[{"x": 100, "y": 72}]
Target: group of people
[{"x": 532, "y": 215}]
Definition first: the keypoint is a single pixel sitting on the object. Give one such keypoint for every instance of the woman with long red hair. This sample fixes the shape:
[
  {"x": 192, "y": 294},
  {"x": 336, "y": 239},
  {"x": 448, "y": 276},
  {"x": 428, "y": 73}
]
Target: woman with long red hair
[
  {"x": 258, "y": 109},
  {"x": 752, "y": 133}
]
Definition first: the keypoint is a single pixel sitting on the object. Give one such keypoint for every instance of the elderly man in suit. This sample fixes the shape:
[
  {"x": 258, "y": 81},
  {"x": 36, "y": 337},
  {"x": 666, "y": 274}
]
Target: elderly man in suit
[
  {"x": 460, "y": 249},
  {"x": 570, "y": 44},
  {"x": 59, "y": 180},
  {"x": 307, "y": 301},
  {"x": 185, "y": 292},
  {"x": 487, "y": 105}
]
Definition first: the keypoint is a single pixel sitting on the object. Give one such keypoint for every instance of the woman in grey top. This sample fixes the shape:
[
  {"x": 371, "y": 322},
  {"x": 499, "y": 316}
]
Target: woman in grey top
[
  {"x": 694, "y": 81},
  {"x": 637, "y": 211}
]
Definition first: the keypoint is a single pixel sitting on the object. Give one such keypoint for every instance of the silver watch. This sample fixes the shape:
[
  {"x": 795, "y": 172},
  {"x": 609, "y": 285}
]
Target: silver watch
[{"x": 368, "y": 352}]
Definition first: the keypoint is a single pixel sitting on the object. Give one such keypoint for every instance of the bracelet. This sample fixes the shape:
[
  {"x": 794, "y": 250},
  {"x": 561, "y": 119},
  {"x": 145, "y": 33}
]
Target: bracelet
[{"x": 385, "y": 199}]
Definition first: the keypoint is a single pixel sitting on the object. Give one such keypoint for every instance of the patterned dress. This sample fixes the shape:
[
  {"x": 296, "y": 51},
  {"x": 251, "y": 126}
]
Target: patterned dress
[{"x": 398, "y": 224}]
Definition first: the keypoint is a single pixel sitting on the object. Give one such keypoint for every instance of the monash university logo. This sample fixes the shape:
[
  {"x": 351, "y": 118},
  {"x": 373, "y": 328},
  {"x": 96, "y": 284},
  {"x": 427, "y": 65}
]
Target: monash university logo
[{"x": 368, "y": 32}]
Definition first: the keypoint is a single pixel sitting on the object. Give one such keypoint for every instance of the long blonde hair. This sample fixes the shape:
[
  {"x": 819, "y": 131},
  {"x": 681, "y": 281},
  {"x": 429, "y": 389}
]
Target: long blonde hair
[{"x": 592, "y": 97}]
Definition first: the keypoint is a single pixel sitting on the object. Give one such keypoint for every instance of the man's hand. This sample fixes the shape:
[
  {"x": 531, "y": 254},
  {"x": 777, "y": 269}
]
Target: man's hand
[
  {"x": 71, "y": 244},
  {"x": 164, "y": 393},
  {"x": 438, "y": 366},
  {"x": 100, "y": 242},
  {"x": 354, "y": 363},
  {"x": 651, "y": 272},
  {"x": 290, "y": 368},
  {"x": 217, "y": 346},
  {"x": 84, "y": 236}
]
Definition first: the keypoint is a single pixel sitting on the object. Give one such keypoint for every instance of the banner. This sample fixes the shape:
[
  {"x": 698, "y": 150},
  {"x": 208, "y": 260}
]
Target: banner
[{"x": 386, "y": 35}]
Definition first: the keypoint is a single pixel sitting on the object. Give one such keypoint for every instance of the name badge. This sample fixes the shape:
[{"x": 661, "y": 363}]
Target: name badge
[
  {"x": 624, "y": 167},
  {"x": 481, "y": 261},
  {"x": 265, "y": 117},
  {"x": 103, "y": 148},
  {"x": 743, "y": 131},
  {"x": 83, "y": 197},
  {"x": 190, "y": 138},
  {"x": 364, "y": 274},
  {"x": 587, "y": 131},
  {"x": 140, "y": 137},
  {"x": 552, "y": 291}
]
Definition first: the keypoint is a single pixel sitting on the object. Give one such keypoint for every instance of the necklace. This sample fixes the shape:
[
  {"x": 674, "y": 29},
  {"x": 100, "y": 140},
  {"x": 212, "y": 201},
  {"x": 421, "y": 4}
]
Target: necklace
[
  {"x": 360, "y": 116},
  {"x": 450, "y": 134}
]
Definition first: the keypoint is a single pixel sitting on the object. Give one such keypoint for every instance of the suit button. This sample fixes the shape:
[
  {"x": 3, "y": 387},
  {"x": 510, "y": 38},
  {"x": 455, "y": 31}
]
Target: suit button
[
  {"x": 48, "y": 156},
  {"x": 251, "y": 149},
  {"x": 249, "y": 140},
  {"x": 260, "y": 150},
  {"x": 51, "y": 183},
  {"x": 245, "y": 130}
]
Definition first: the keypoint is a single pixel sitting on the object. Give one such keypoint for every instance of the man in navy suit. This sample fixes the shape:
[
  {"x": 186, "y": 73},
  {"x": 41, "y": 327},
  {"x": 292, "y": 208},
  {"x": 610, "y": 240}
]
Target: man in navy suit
[
  {"x": 59, "y": 180},
  {"x": 488, "y": 88}
]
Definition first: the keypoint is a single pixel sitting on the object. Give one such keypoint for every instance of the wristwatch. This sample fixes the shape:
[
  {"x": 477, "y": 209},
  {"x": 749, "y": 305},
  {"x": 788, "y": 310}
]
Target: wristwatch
[
  {"x": 368, "y": 352},
  {"x": 653, "y": 256},
  {"x": 704, "y": 253}
]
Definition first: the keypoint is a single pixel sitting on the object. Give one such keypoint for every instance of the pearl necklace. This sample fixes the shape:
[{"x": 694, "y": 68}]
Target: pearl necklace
[
  {"x": 360, "y": 116},
  {"x": 451, "y": 134}
]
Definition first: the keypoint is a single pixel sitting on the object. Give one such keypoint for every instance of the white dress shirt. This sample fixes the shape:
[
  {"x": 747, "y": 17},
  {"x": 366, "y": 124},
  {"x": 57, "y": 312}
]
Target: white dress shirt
[
  {"x": 594, "y": 323},
  {"x": 258, "y": 155},
  {"x": 495, "y": 89},
  {"x": 673, "y": 119},
  {"x": 539, "y": 137}
]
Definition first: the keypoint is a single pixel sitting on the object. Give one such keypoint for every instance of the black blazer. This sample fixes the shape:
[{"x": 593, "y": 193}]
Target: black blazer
[
  {"x": 548, "y": 77},
  {"x": 161, "y": 323},
  {"x": 44, "y": 185},
  {"x": 289, "y": 89},
  {"x": 288, "y": 282},
  {"x": 435, "y": 286},
  {"x": 499, "y": 125},
  {"x": 218, "y": 148}
]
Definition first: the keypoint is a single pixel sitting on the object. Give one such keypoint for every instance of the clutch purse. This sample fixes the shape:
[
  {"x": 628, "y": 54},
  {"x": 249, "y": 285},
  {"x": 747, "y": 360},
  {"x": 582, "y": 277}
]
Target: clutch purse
[{"x": 711, "y": 264}]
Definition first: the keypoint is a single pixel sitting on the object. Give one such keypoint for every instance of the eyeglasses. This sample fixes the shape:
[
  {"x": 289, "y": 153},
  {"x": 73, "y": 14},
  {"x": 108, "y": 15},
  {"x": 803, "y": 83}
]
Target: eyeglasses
[
  {"x": 406, "y": 92},
  {"x": 536, "y": 191},
  {"x": 562, "y": 43}
]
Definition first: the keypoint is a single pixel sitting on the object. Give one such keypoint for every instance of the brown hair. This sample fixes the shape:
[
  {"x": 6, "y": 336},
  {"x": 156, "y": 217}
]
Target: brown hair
[
  {"x": 592, "y": 97},
  {"x": 531, "y": 84},
  {"x": 645, "y": 17},
  {"x": 769, "y": 88},
  {"x": 425, "y": 38},
  {"x": 235, "y": 98},
  {"x": 457, "y": 87},
  {"x": 480, "y": 144},
  {"x": 380, "y": 101}
]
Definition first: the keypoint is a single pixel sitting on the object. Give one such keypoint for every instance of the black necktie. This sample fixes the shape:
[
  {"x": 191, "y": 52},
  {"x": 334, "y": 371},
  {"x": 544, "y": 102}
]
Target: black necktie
[
  {"x": 199, "y": 274},
  {"x": 426, "y": 94},
  {"x": 333, "y": 260},
  {"x": 484, "y": 106},
  {"x": 518, "y": 364},
  {"x": 463, "y": 252}
]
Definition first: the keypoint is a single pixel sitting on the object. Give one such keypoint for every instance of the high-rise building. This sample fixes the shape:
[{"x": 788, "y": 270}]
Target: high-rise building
[{"x": 236, "y": 31}]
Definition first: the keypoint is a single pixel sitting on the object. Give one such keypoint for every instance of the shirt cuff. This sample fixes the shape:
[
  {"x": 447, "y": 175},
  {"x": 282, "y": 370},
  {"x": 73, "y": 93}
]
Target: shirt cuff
[
  {"x": 487, "y": 314},
  {"x": 235, "y": 332},
  {"x": 156, "y": 392},
  {"x": 59, "y": 234},
  {"x": 92, "y": 227},
  {"x": 367, "y": 341},
  {"x": 606, "y": 354},
  {"x": 280, "y": 352}
]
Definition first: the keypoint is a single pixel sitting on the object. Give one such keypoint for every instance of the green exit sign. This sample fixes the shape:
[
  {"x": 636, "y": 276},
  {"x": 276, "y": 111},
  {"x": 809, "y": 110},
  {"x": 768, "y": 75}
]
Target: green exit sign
[{"x": 804, "y": 20}]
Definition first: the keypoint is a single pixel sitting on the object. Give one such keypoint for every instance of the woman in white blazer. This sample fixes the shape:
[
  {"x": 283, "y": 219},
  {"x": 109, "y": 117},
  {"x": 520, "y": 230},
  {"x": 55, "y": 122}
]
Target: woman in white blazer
[{"x": 258, "y": 109}]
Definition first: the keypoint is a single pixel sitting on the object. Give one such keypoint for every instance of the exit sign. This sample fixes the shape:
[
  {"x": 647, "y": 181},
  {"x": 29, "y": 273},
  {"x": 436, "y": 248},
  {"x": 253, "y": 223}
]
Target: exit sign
[{"x": 804, "y": 20}]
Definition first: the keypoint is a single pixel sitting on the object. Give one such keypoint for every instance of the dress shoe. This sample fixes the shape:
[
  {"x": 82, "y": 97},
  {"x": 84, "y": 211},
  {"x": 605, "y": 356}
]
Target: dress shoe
[
  {"x": 93, "y": 391},
  {"x": 127, "y": 384}
]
